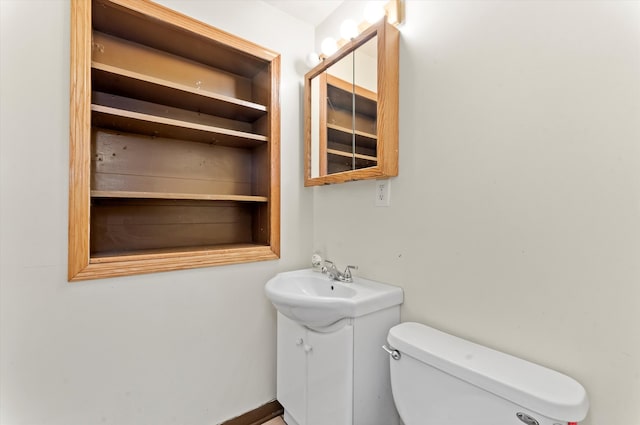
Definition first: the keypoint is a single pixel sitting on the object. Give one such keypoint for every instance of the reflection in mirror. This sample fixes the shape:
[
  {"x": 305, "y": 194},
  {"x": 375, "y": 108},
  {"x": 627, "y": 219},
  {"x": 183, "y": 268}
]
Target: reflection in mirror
[
  {"x": 344, "y": 113},
  {"x": 366, "y": 105},
  {"x": 331, "y": 102},
  {"x": 345, "y": 140}
]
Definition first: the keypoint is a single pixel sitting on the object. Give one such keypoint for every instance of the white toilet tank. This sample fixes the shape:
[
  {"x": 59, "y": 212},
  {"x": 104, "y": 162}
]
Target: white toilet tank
[{"x": 441, "y": 379}]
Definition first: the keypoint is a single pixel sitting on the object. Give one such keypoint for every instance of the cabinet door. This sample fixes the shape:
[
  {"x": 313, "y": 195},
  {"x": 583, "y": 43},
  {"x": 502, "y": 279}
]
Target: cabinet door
[
  {"x": 330, "y": 377},
  {"x": 292, "y": 368}
]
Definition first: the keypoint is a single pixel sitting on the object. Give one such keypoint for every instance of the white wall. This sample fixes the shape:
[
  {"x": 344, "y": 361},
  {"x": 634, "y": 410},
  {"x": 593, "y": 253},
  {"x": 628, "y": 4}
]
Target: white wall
[
  {"x": 515, "y": 220},
  {"x": 188, "y": 347}
]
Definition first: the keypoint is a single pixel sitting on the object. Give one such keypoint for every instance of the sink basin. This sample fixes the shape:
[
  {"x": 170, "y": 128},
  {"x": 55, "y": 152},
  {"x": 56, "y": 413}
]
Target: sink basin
[{"x": 313, "y": 300}]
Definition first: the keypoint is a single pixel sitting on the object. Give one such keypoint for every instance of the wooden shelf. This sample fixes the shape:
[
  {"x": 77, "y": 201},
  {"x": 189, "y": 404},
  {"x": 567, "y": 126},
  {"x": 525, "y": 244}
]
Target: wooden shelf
[
  {"x": 339, "y": 139},
  {"x": 116, "y": 256},
  {"x": 185, "y": 196},
  {"x": 350, "y": 155},
  {"x": 361, "y": 136},
  {"x": 123, "y": 82},
  {"x": 155, "y": 26},
  {"x": 341, "y": 96},
  {"x": 156, "y": 126}
]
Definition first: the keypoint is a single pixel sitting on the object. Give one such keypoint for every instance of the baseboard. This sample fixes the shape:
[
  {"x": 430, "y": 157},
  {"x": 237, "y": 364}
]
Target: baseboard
[{"x": 259, "y": 415}]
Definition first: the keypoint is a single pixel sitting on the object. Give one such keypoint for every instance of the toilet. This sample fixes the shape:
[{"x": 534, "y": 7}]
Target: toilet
[{"x": 440, "y": 379}]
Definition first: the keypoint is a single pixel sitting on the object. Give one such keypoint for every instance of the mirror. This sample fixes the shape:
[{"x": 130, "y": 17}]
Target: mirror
[{"x": 345, "y": 98}]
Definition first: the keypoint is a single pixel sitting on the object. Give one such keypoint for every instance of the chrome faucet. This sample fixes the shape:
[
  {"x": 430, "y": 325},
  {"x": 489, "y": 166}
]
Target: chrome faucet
[{"x": 335, "y": 274}]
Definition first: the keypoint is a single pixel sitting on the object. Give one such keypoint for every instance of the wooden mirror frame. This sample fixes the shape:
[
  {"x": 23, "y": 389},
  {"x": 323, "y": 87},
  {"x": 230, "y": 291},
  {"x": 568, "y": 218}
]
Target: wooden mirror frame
[{"x": 388, "y": 38}]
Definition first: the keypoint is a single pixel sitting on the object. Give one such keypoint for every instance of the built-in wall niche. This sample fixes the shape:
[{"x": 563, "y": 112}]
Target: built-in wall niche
[{"x": 175, "y": 130}]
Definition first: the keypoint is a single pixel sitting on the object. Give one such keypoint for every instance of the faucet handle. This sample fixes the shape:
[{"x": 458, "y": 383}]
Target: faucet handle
[
  {"x": 325, "y": 269},
  {"x": 347, "y": 271}
]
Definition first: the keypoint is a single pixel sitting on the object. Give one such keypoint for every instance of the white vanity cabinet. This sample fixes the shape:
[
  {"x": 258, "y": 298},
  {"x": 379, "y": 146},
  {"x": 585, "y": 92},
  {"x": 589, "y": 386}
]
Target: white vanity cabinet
[
  {"x": 314, "y": 373},
  {"x": 338, "y": 377}
]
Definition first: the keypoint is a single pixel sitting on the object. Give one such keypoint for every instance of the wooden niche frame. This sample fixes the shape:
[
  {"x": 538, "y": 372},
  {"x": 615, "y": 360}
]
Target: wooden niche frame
[{"x": 199, "y": 111}]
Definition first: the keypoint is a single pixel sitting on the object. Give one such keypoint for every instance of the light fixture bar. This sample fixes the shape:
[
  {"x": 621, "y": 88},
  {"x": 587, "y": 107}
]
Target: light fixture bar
[{"x": 394, "y": 11}]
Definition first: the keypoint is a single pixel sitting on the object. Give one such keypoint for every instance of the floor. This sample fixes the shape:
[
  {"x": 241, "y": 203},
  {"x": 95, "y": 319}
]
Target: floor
[{"x": 275, "y": 421}]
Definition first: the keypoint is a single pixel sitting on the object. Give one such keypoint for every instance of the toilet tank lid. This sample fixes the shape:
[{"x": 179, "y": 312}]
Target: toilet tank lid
[{"x": 527, "y": 384}]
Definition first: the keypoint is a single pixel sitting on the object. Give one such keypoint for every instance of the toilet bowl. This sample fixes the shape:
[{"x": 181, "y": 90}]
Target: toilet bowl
[{"x": 440, "y": 379}]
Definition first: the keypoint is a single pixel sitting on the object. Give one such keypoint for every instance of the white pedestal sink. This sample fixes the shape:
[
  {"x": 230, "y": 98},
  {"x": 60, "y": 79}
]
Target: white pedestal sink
[
  {"x": 331, "y": 367},
  {"x": 313, "y": 300}
]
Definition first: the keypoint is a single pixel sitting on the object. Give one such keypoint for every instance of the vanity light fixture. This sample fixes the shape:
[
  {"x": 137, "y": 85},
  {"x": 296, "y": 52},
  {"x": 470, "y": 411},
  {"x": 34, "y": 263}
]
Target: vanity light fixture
[
  {"x": 349, "y": 29},
  {"x": 312, "y": 59},
  {"x": 373, "y": 12},
  {"x": 329, "y": 46}
]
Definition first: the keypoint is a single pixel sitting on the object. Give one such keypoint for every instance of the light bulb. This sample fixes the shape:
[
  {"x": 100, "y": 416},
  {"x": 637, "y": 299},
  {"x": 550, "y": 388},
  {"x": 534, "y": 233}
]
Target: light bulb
[
  {"x": 349, "y": 29},
  {"x": 373, "y": 11},
  {"x": 312, "y": 59},
  {"x": 329, "y": 46}
]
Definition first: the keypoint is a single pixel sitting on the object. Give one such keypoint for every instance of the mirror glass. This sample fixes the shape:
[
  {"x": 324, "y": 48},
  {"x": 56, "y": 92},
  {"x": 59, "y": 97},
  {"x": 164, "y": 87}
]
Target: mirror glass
[{"x": 344, "y": 109}]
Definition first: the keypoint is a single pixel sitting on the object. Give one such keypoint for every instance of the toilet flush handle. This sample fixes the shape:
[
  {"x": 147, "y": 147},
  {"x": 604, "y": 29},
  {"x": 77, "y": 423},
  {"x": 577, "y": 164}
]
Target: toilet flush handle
[{"x": 395, "y": 354}]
